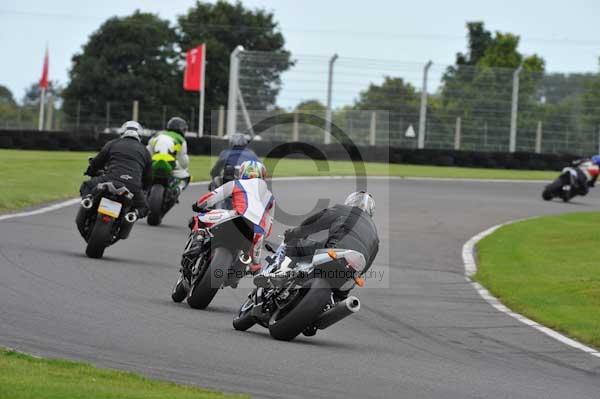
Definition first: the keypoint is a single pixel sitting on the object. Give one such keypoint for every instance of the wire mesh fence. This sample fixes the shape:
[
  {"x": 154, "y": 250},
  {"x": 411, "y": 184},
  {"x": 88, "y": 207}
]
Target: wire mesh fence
[{"x": 462, "y": 107}]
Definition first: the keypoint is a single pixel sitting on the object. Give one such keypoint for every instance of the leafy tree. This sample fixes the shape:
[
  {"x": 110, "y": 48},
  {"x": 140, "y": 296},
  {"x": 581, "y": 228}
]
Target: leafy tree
[
  {"x": 126, "y": 59},
  {"x": 33, "y": 93},
  {"x": 479, "y": 87},
  {"x": 6, "y": 96},
  {"x": 223, "y": 26}
]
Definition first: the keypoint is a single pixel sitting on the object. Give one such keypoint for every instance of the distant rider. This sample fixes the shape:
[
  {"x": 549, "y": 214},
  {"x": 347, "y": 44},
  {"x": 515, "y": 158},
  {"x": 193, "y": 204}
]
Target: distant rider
[
  {"x": 170, "y": 145},
  {"x": 585, "y": 172},
  {"x": 349, "y": 226},
  {"x": 250, "y": 198},
  {"x": 230, "y": 159},
  {"x": 126, "y": 161}
]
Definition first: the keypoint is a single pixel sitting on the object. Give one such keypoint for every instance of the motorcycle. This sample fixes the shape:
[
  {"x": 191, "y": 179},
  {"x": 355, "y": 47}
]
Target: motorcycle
[
  {"x": 105, "y": 217},
  {"x": 214, "y": 257},
  {"x": 165, "y": 191},
  {"x": 566, "y": 186},
  {"x": 301, "y": 298}
]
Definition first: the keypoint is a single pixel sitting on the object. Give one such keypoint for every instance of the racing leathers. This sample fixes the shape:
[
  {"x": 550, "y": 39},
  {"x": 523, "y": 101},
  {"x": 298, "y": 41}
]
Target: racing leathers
[
  {"x": 585, "y": 173},
  {"x": 126, "y": 161},
  {"x": 171, "y": 146},
  {"x": 347, "y": 227},
  {"x": 250, "y": 199}
]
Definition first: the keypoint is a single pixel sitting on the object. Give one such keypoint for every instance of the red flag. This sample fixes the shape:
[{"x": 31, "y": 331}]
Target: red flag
[
  {"x": 194, "y": 69},
  {"x": 44, "y": 79}
]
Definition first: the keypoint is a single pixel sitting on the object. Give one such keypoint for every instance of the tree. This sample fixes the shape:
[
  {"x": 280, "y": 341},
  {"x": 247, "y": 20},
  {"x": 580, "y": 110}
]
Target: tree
[
  {"x": 6, "y": 96},
  {"x": 33, "y": 93},
  {"x": 223, "y": 26},
  {"x": 479, "y": 87},
  {"x": 126, "y": 59}
]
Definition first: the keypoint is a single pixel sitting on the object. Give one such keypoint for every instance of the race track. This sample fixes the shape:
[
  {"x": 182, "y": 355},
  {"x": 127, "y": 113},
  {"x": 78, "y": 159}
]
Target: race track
[{"x": 428, "y": 335}]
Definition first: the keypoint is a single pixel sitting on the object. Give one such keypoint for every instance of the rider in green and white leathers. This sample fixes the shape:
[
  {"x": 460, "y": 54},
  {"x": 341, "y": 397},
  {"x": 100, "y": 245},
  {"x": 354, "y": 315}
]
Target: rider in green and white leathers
[{"x": 170, "y": 145}]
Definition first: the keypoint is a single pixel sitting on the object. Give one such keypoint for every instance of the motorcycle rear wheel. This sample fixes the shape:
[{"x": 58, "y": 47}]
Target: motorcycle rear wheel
[
  {"x": 286, "y": 325},
  {"x": 155, "y": 203},
  {"x": 100, "y": 238},
  {"x": 205, "y": 287}
]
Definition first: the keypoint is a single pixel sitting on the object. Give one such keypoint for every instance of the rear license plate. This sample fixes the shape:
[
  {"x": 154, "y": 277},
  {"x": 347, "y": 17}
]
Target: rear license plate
[{"x": 110, "y": 208}]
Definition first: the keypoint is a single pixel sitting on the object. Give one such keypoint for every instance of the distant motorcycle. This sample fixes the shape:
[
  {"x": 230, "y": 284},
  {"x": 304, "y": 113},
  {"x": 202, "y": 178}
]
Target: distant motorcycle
[
  {"x": 165, "y": 191},
  {"x": 566, "y": 186},
  {"x": 105, "y": 217},
  {"x": 304, "y": 298},
  {"x": 214, "y": 257}
]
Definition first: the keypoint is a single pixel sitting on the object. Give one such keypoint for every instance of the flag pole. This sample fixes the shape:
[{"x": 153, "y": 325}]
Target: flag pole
[
  {"x": 202, "y": 83},
  {"x": 42, "y": 101}
]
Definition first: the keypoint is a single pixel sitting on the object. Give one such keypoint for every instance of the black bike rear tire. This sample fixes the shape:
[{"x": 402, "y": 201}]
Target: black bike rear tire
[
  {"x": 552, "y": 190},
  {"x": 304, "y": 313},
  {"x": 155, "y": 204},
  {"x": 205, "y": 288},
  {"x": 100, "y": 238}
]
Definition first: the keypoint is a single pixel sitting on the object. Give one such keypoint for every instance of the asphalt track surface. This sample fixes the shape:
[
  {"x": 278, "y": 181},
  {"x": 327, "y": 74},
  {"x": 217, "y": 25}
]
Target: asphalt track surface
[{"x": 427, "y": 335}]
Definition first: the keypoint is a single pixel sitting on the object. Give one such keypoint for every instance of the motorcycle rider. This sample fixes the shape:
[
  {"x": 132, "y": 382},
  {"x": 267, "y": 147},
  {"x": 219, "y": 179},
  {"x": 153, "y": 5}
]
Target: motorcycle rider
[
  {"x": 170, "y": 145},
  {"x": 585, "y": 172},
  {"x": 349, "y": 226},
  {"x": 231, "y": 158},
  {"x": 126, "y": 161},
  {"x": 250, "y": 197}
]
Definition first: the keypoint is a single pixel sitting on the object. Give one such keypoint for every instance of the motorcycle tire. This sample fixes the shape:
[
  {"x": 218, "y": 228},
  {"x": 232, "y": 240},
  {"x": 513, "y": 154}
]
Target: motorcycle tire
[
  {"x": 100, "y": 238},
  {"x": 551, "y": 190},
  {"x": 244, "y": 320},
  {"x": 290, "y": 324},
  {"x": 206, "y": 286},
  {"x": 155, "y": 204}
]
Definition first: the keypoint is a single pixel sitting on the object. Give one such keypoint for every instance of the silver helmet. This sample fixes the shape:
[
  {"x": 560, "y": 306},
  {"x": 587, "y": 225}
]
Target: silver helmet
[
  {"x": 131, "y": 129},
  {"x": 238, "y": 140},
  {"x": 362, "y": 200}
]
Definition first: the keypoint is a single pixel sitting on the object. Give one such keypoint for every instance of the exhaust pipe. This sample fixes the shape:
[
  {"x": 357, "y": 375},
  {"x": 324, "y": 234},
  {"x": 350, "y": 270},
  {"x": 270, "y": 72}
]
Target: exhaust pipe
[
  {"x": 131, "y": 217},
  {"x": 342, "y": 310},
  {"x": 87, "y": 203},
  {"x": 127, "y": 226}
]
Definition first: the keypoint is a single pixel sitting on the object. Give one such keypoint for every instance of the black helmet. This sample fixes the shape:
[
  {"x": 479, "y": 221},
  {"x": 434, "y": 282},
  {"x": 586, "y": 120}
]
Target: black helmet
[{"x": 177, "y": 124}]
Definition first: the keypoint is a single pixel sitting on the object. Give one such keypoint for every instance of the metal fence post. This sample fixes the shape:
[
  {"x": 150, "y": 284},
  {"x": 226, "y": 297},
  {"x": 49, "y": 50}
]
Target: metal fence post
[
  {"x": 136, "y": 110},
  {"x": 538, "y": 138},
  {"x": 221, "y": 121},
  {"x": 512, "y": 145},
  {"x": 457, "y": 133},
  {"x": 234, "y": 74},
  {"x": 373, "y": 128},
  {"x": 164, "y": 117},
  {"x": 295, "y": 127},
  {"x": 423, "y": 110},
  {"x": 329, "y": 90},
  {"x": 192, "y": 119},
  {"x": 49, "y": 113}
]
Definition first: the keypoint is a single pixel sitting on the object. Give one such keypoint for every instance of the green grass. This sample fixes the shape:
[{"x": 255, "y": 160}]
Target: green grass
[
  {"x": 547, "y": 269},
  {"x": 25, "y": 377},
  {"x": 32, "y": 177}
]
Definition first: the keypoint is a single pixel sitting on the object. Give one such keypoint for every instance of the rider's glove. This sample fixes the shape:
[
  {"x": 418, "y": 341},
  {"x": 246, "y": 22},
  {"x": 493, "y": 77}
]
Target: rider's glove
[{"x": 199, "y": 208}]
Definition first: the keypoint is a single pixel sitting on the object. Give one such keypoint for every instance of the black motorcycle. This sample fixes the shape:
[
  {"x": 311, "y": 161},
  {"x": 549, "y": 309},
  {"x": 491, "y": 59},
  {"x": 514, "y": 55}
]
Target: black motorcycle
[
  {"x": 570, "y": 183},
  {"x": 105, "y": 217},
  {"x": 214, "y": 257},
  {"x": 165, "y": 191},
  {"x": 302, "y": 297}
]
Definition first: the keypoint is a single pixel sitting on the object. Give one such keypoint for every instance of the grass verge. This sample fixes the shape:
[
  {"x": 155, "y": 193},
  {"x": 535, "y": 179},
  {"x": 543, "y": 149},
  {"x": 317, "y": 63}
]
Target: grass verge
[
  {"x": 33, "y": 177},
  {"x": 25, "y": 377},
  {"x": 547, "y": 269}
]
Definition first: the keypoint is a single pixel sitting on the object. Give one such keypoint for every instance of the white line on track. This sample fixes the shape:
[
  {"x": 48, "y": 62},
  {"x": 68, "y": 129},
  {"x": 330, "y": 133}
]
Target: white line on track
[{"x": 468, "y": 255}]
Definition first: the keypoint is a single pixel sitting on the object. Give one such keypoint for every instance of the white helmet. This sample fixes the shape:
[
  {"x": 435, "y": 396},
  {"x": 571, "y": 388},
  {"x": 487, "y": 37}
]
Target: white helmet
[
  {"x": 131, "y": 129},
  {"x": 362, "y": 200},
  {"x": 238, "y": 140}
]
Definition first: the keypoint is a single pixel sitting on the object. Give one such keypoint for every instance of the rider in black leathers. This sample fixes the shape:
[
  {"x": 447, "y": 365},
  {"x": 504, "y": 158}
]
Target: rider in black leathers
[
  {"x": 127, "y": 161},
  {"x": 349, "y": 226}
]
